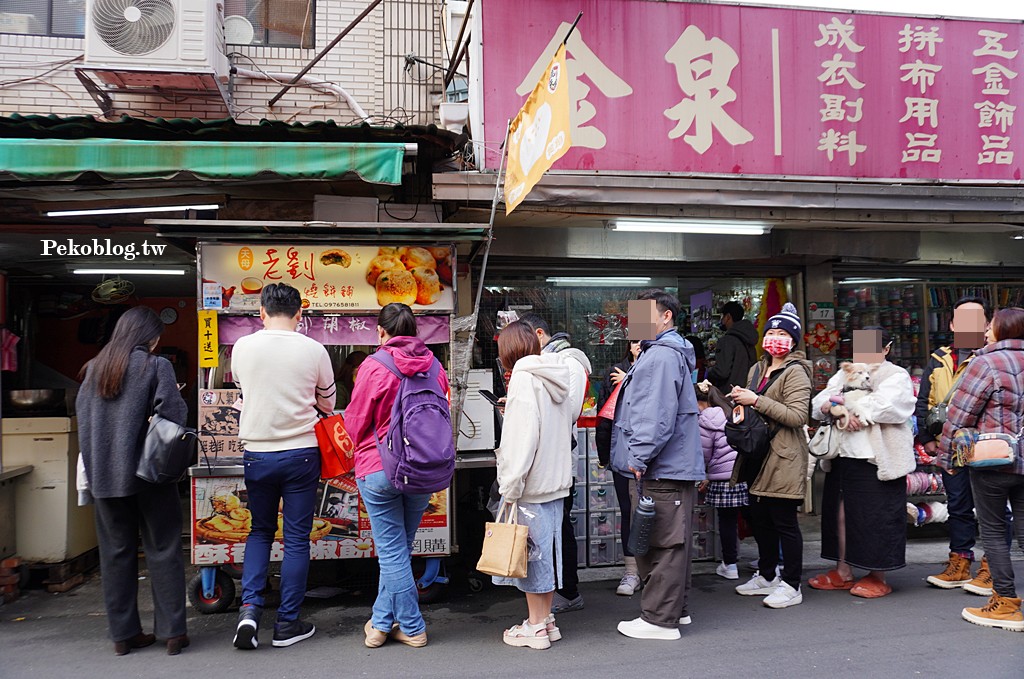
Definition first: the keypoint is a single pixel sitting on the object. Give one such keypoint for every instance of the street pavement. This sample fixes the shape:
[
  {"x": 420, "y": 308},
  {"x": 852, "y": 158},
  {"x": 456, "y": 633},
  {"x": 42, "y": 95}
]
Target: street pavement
[{"x": 915, "y": 632}]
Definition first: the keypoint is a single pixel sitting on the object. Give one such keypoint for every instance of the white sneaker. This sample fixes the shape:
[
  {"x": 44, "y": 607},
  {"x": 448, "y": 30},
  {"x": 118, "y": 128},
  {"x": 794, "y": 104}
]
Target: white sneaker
[
  {"x": 729, "y": 571},
  {"x": 685, "y": 620},
  {"x": 641, "y": 629},
  {"x": 784, "y": 596},
  {"x": 628, "y": 585},
  {"x": 758, "y": 586}
]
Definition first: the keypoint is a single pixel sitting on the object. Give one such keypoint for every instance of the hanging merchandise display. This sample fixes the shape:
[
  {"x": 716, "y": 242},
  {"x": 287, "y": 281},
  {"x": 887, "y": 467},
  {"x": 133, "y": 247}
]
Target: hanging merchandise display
[{"x": 822, "y": 338}]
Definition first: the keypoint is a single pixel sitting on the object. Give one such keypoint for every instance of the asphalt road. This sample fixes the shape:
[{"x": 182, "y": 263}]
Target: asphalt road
[{"x": 915, "y": 632}]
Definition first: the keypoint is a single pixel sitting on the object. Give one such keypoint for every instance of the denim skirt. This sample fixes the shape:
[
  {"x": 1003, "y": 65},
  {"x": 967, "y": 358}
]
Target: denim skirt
[{"x": 546, "y": 547}]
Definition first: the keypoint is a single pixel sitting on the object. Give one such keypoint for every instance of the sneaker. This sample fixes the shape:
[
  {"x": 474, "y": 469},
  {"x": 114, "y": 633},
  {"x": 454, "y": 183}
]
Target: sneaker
[
  {"x": 554, "y": 634},
  {"x": 729, "y": 571},
  {"x": 248, "y": 627},
  {"x": 1000, "y": 612},
  {"x": 641, "y": 629},
  {"x": 416, "y": 641},
  {"x": 527, "y": 635},
  {"x": 956, "y": 574},
  {"x": 982, "y": 582},
  {"x": 292, "y": 632},
  {"x": 374, "y": 637},
  {"x": 758, "y": 586},
  {"x": 559, "y": 604},
  {"x": 685, "y": 620},
  {"x": 628, "y": 585},
  {"x": 784, "y": 596}
]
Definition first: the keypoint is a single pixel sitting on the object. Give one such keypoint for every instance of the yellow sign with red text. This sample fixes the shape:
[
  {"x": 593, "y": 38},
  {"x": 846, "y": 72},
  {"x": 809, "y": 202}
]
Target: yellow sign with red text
[{"x": 540, "y": 134}]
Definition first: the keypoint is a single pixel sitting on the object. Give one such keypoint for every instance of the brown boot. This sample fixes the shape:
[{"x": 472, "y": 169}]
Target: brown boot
[
  {"x": 982, "y": 582},
  {"x": 1000, "y": 611},
  {"x": 957, "y": 573}
]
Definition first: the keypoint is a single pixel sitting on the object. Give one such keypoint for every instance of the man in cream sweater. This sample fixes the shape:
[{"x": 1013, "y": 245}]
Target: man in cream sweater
[{"x": 284, "y": 377}]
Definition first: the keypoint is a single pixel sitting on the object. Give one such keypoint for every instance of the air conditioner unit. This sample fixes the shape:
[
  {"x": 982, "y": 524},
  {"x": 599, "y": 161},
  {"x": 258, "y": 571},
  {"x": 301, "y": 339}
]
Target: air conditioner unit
[{"x": 174, "y": 36}]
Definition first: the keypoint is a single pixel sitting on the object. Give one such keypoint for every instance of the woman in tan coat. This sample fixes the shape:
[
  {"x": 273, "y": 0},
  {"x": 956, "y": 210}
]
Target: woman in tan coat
[{"x": 780, "y": 390}]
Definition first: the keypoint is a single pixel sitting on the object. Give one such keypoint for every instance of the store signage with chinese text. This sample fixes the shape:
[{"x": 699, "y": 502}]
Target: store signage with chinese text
[
  {"x": 329, "y": 278},
  {"x": 723, "y": 89}
]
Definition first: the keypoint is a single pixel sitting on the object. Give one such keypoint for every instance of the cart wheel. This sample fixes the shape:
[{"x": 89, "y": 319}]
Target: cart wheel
[
  {"x": 223, "y": 593},
  {"x": 431, "y": 593}
]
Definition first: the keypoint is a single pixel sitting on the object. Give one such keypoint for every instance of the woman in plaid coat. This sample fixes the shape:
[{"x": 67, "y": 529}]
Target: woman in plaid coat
[{"x": 991, "y": 399}]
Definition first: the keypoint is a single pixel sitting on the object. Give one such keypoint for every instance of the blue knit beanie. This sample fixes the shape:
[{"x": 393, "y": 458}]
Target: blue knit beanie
[{"x": 787, "y": 320}]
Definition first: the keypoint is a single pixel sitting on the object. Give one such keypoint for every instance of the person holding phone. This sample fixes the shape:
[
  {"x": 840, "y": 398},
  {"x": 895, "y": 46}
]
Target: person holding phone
[{"x": 780, "y": 390}]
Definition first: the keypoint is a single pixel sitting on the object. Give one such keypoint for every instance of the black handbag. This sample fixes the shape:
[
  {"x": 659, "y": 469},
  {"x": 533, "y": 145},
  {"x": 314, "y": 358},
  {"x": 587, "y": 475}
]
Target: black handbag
[{"x": 166, "y": 452}]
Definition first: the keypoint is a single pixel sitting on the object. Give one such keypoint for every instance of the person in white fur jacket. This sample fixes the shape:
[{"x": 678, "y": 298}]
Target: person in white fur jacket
[
  {"x": 534, "y": 464},
  {"x": 863, "y": 522}
]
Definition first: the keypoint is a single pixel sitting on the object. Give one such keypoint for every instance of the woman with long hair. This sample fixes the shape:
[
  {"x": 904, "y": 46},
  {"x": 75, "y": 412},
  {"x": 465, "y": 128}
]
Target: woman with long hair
[
  {"x": 394, "y": 515},
  {"x": 534, "y": 464},
  {"x": 990, "y": 399},
  {"x": 121, "y": 388},
  {"x": 780, "y": 391}
]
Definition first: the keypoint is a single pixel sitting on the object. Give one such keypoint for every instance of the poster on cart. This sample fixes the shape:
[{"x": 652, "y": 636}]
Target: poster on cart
[
  {"x": 330, "y": 278},
  {"x": 221, "y": 520},
  {"x": 341, "y": 528}
]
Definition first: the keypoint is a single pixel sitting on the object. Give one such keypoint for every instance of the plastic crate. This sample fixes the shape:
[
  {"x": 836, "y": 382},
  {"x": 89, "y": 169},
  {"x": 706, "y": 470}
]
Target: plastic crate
[
  {"x": 703, "y": 519},
  {"x": 605, "y": 524},
  {"x": 602, "y": 552},
  {"x": 581, "y": 552},
  {"x": 578, "y": 519},
  {"x": 579, "y": 497},
  {"x": 580, "y": 470},
  {"x": 705, "y": 546},
  {"x": 597, "y": 473},
  {"x": 601, "y": 498}
]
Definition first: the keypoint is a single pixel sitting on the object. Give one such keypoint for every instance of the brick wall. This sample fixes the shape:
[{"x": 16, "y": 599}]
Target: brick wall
[{"x": 368, "y": 64}]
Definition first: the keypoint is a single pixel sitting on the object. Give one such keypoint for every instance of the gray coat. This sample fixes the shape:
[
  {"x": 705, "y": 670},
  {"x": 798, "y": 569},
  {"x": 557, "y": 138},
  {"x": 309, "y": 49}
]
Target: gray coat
[
  {"x": 655, "y": 428},
  {"x": 110, "y": 433}
]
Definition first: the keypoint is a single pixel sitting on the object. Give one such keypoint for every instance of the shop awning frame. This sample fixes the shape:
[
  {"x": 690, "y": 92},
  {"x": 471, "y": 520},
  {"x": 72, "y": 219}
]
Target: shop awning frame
[
  {"x": 238, "y": 229},
  {"x": 120, "y": 159}
]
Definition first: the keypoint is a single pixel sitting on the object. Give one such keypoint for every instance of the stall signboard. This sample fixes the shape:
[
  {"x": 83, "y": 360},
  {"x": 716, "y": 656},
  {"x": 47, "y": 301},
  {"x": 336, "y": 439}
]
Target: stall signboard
[
  {"x": 717, "y": 89},
  {"x": 341, "y": 528},
  {"x": 329, "y": 277},
  {"x": 218, "y": 424}
]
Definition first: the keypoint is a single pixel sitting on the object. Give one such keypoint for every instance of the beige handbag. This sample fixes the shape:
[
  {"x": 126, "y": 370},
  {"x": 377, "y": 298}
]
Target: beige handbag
[{"x": 504, "y": 552}]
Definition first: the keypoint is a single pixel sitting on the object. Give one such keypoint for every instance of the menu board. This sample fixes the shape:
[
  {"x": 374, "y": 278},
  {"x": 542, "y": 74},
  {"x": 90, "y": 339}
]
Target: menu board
[{"x": 329, "y": 277}]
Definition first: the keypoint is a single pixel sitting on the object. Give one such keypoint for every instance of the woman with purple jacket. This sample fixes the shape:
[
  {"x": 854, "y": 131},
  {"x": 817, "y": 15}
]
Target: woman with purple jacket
[{"x": 727, "y": 499}]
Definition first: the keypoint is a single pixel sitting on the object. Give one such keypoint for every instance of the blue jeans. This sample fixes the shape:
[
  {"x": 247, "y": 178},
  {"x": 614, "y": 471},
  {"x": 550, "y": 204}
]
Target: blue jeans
[
  {"x": 963, "y": 528},
  {"x": 394, "y": 518},
  {"x": 292, "y": 476}
]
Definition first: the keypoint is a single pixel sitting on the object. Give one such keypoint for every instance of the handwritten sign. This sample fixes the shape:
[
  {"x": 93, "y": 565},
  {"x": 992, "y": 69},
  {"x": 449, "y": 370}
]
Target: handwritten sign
[{"x": 208, "y": 341}]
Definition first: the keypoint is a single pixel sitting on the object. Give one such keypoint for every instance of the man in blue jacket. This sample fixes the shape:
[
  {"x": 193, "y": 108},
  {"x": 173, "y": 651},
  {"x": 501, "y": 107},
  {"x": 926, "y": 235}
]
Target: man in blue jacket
[{"x": 656, "y": 439}]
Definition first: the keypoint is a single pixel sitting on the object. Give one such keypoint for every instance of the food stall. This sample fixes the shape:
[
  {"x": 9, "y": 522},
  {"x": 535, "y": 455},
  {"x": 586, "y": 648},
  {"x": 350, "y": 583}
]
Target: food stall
[{"x": 343, "y": 288}]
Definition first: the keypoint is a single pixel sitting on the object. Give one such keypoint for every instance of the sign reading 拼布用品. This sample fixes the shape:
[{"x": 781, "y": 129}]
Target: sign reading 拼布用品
[{"x": 722, "y": 89}]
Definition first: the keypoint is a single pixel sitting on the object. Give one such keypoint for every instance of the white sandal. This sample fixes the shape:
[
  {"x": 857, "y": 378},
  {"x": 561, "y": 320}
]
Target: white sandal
[
  {"x": 554, "y": 634},
  {"x": 531, "y": 636}
]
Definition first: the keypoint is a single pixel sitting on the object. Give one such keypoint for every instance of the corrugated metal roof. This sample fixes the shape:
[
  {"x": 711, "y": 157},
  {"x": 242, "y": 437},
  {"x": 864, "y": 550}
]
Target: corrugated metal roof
[{"x": 434, "y": 141}]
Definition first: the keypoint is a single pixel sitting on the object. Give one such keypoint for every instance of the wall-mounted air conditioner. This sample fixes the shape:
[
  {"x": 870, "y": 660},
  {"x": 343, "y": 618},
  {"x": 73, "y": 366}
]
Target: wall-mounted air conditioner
[{"x": 176, "y": 36}]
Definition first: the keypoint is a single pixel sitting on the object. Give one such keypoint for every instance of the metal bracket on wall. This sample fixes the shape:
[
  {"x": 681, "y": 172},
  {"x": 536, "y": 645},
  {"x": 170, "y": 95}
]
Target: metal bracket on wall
[
  {"x": 98, "y": 95},
  {"x": 157, "y": 83}
]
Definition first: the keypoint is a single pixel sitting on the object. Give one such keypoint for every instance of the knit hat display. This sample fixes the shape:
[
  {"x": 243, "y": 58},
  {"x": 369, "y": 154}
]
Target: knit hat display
[{"x": 787, "y": 320}]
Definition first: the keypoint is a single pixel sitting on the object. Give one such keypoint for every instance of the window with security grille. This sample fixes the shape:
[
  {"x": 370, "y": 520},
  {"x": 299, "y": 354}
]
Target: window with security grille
[
  {"x": 64, "y": 18},
  {"x": 276, "y": 23}
]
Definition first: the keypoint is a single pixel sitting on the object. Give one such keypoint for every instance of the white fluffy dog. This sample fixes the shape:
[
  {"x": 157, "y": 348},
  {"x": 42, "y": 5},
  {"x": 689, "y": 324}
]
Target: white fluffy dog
[{"x": 856, "y": 385}]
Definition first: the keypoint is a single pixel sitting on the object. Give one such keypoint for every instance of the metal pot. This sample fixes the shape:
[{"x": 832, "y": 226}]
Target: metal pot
[{"x": 33, "y": 399}]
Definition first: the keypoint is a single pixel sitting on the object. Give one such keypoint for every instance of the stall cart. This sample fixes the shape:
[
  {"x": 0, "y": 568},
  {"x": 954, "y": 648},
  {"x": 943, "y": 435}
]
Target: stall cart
[{"x": 340, "y": 304}]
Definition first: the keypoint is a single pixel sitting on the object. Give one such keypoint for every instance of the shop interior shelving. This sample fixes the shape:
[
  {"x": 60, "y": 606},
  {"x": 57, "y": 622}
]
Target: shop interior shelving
[{"x": 916, "y": 313}]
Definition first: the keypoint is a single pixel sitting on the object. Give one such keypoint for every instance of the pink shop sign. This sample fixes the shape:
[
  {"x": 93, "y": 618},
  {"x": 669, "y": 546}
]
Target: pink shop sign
[{"x": 705, "y": 89}]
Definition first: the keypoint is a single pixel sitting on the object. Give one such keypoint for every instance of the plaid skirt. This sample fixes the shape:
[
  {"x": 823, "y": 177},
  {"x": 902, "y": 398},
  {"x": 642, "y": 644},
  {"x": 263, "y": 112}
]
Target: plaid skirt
[{"x": 723, "y": 494}]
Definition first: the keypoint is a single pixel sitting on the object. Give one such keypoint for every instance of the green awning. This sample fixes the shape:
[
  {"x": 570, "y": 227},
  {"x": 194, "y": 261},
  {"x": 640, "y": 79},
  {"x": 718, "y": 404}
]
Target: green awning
[{"x": 65, "y": 159}]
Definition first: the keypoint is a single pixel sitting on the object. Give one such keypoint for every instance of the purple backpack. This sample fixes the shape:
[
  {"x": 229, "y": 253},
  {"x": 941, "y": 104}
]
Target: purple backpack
[{"x": 418, "y": 451}]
